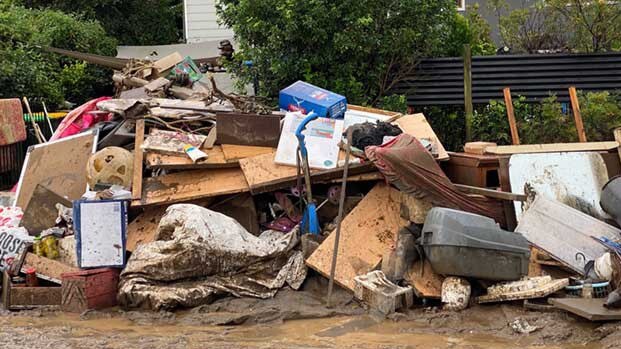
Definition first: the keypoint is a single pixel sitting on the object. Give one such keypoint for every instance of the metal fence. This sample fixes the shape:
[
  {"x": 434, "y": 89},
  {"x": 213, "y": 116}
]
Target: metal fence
[{"x": 440, "y": 81}]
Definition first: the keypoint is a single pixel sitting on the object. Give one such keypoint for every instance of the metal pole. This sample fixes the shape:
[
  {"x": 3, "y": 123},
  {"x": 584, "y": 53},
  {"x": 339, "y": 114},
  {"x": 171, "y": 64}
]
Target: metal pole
[
  {"x": 339, "y": 218},
  {"x": 469, "y": 109}
]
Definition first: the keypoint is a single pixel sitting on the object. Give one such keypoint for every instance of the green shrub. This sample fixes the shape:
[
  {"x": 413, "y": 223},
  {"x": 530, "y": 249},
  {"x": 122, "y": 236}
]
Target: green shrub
[
  {"x": 546, "y": 124},
  {"x": 28, "y": 71},
  {"x": 601, "y": 114}
]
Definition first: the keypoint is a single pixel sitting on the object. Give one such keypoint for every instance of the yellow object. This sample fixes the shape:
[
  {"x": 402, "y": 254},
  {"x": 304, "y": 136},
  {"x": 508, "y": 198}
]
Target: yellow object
[
  {"x": 57, "y": 115},
  {"x": 50, "y": 247},
  {"x": 111, "y": 166},
  {"x": 37, "y": 246}
]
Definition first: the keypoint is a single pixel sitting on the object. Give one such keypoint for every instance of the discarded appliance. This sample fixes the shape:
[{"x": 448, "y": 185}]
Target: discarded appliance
[
  {"x": 100, "y": 229},
  {"x": 304, "y": 97},
  {"x": 380, "y": 294},
  {"x": 464, "y": 244}
]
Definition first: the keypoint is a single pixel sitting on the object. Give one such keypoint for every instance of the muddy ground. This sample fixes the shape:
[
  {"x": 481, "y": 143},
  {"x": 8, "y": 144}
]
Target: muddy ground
[{"x": 301, "y": 320}]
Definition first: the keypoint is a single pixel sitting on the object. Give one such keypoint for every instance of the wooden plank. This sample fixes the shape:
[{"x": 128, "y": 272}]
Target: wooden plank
[
  {"x": 426, "y": 283},
  {"x": 391, "y": 114},
  {"x": 248, "y": 129},
  {"x": 138, "y": 160},
  {"x": 575, "y": 107},
  {"x": 551, "y": 148},
  {"x": 564, "y": 232},
  {"x": 142, "y": 229},
  {"x": 505, "y": 185},
  {"x": 418, "y": 126},
  {"x": 364, "y": 177},
  {"x": 617, "y": 133},
  {"x": 367, "y": 232},
  {"x": 264, "y": 175},
  {"x": 589, "y": 308},
  {"x": 16, "y": 298},
  {"x": 468, "y": 108},
  {"x": 515, "y": 137},
  {"x": 58, "y": 165},
  {"x": 233, "y": 152},
  {"x": 215, "y": 159},
  {"x": 477, "y": 148},
  {"x": 211, "y": 138},
  {"x": 192, "y": 185},
  {"x": 47, "y": 269},
  {"x": 496, "y": 194}
]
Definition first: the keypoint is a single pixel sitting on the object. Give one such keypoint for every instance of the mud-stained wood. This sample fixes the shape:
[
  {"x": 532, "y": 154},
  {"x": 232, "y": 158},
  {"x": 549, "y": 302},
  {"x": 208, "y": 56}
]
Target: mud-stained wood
[
  {"x": 60, "y": 166},
  {"x": 264, "y": 175},
  {"x": 142, "y": 229},
  {"x": 215, "y": 159},
  {"x": 425, "y": 282},
  {"x": 418, "y": 126},
  {"x": 367, "y": 232},
  {"x": 138, "y": 160},
  {"x": 589, "y": 308},
  {"x": 233, "y": 152},
  {"x": 47, "y": 269},
  {"x": 537, "y": 292},
  {"x": 551, "y": 148},
  {"x": 192, "y": 185},
  {"x": 16, "y": 298},
  {"x": 414, "y": 209}
]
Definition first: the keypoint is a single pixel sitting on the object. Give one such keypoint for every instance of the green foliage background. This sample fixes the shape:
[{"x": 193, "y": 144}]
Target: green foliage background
[{"x": 28, "y": 71}]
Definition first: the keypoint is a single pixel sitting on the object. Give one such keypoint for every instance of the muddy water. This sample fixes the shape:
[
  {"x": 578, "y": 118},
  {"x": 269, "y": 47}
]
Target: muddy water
[{"x": 58, "y": 330}]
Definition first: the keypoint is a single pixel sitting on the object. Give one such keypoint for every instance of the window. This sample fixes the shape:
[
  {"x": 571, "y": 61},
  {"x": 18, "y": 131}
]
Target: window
[{"x": 461, "y": 5}]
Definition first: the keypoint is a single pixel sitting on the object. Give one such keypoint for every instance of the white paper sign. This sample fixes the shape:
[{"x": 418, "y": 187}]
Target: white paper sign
[{"x": 101, "y": 240}]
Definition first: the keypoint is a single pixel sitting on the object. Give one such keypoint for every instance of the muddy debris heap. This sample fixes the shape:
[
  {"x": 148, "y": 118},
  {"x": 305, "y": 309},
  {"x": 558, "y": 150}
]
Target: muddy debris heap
[{"x": 174, "y": 194}]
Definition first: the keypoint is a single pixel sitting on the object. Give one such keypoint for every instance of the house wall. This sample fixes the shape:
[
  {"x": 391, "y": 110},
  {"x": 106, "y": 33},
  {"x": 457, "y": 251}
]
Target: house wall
[{"x": 201, "y": 22}]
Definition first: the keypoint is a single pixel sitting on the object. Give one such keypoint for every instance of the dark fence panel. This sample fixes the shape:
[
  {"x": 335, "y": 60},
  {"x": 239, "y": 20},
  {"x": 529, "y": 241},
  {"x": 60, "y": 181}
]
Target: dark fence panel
[{"x": 439, "y": 81}]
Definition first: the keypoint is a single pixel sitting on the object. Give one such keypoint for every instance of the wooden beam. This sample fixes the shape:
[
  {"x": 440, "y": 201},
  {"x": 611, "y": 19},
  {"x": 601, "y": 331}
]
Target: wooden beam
[
  {"x": 575, "y": 107},
  {"x": 496, "y": 194},
  {"x": 551, "y": 148},
  {"x": 617, "y": 133},
  {"x": 515, "y": 137},
  {"x": 138, "y": 159},
  {"x": 469, "y": 109}
]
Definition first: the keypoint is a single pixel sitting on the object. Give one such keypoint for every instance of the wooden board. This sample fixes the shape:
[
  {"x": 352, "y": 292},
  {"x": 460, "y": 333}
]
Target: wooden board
[
  {"x": 417, "y": 126},
  {"x": 248, "y": 129},
  {"x": 391, "y": 114},
  {"x": 215, "y": 159},
  {"x": 17, "y": 298},
  {"x": 41, "y": 212},
  {"x": 426, "y": 284},
  {"x": 138, "y": 160},
  {"x": 364, "y": 177},
  {"x": 591, "y": 309},
  {"x": 264, "y": 175},
  {"x": 233, "y": 152},
  {"x": 564, "y": 232},
  {"x": 59, "y": 165},
  {"x": 538, "y": 292},
  {"x": 47, "y": 269},
  {"x": 142, "y": 229},
  {"x": 550, "y": 148},
  {"x": 367, "y": 232},
  {"x": 478, "y": 148},
  {"x": 192, "y": 185}
]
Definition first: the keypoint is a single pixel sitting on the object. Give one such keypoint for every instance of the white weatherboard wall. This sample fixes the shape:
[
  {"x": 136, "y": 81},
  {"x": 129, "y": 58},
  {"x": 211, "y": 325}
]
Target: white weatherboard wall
[{"x": 201, "y": 22}]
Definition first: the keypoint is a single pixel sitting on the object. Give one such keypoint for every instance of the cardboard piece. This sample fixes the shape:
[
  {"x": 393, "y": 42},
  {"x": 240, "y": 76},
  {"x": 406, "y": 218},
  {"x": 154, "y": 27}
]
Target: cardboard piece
[
  {"x": 367, "y": 232},
  {"x": 322, "y": 137},
  {"x": 171, "y": 142},
  {"x": 418, "y": 126},
  {"x": 564, "y": 232},
  {"x": 166, "y": 63},
  {"x": 59, "y": 165},
  {"x": 142, "y": 229},
  {"x": 41, "y": 212},
  {"x": 248, "y": 129},
  {"x": 589, "y": 308},
  {"x": 192, "y": 185},
  {"x": 100, "y": 231}
]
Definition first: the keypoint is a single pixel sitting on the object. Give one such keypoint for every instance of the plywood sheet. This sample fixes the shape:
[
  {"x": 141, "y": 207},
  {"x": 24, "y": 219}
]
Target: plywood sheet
[
  {"x": 564, "y": 232},
  {"x": 418, "y": 126},
  {"x": 192, "y": 185},
  {"x": 367, "y": 232},
  {"x": 47, "y": 269},
  {"x": 215, "y": 159},
  {"x": 142, "y": 229},
  {"x": 426, "y": 283},
  {"x": 552, "y": 147},
  {"x": 591, "y": 309},
  {"x": 233, "y": 152},
  {"x": 263, "y": 174},
  {"x": 59, "y": 166},
  {"x": 575, "y": 179}
]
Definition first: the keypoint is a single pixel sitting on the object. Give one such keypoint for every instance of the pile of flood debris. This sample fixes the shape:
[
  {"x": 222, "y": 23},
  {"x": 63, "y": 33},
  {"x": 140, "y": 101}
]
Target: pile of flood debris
[{"x": 173, "y": 194}]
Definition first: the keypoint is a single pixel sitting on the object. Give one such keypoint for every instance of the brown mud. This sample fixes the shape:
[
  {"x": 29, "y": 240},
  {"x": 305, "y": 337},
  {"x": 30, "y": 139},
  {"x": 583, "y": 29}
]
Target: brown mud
[{"x": 301, "y": 320}]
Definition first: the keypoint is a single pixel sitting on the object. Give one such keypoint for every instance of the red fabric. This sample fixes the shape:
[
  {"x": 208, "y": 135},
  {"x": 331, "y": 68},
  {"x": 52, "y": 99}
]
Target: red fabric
[
  {"x": 79, "y": 119},
  {"x": 410, "y": 167},
  {"x": 12, "y": 127}
]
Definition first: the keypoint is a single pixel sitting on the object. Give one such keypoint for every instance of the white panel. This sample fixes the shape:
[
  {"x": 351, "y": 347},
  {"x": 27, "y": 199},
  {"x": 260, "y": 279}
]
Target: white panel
[{"x": 202, "y": 22}]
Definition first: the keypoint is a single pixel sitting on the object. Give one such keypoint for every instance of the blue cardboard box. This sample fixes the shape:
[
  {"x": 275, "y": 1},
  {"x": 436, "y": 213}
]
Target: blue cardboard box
[{"x": 304, "y": 97}]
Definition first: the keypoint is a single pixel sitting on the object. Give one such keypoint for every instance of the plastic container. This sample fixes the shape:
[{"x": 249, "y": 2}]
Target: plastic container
[
  {"x": 50, "y": 247},
  {"x": 468, "y": 245}
]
